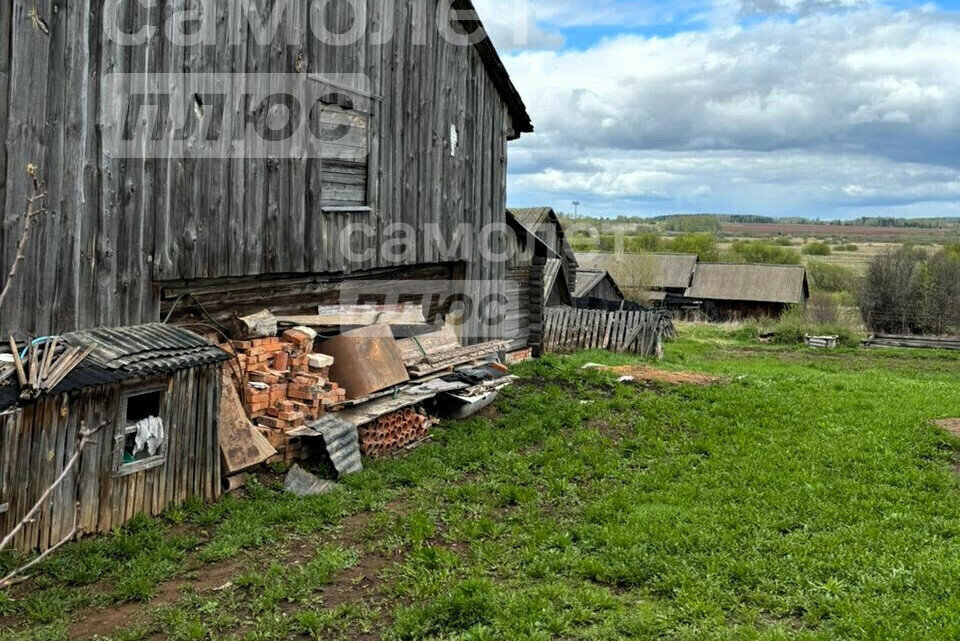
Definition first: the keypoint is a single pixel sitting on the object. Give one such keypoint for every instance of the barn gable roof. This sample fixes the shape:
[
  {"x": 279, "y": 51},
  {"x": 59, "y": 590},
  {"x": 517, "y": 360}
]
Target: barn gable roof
[
  {"x": 498, "y": 72},
  {"x": 587, "y": 279},
  {"x": 661, "y": 271},
  {"x": 669, "y": 271},
  {"x": 758, "y": 283},
  {"x": 545, "y": 225},
  {"x": 555, "y": 278}
]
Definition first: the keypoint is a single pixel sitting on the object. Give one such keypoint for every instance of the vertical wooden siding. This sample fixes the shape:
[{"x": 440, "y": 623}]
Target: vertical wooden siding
[
  {"x": 37, "y": 441},
  {"x": 117, "y": 226}
]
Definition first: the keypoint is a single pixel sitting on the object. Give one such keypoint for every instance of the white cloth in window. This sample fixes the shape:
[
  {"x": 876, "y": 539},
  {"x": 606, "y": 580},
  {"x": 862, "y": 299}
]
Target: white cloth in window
[{"x": 150, "y": 435}]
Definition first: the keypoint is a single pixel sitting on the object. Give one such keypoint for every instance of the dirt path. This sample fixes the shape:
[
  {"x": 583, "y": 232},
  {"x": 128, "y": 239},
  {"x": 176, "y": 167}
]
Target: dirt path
[
  {"x": 105, "y": 622},
  {"x": 647, "y": 374},
  {"x": 360, "y": 583}
]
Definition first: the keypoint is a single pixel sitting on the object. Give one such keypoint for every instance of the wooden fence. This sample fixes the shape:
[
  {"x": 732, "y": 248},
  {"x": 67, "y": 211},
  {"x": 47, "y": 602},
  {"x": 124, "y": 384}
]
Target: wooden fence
[
  {"x": 919, "y": 342},
  {"x": 637, "y": 332}
]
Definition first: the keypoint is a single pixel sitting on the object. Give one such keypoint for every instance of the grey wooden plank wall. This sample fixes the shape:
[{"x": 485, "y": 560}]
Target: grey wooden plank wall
[{"x": 118, "y": 226}]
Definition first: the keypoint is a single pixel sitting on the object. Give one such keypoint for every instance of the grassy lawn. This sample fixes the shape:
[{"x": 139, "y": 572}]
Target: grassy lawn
[{"x": 807, "y": 496}]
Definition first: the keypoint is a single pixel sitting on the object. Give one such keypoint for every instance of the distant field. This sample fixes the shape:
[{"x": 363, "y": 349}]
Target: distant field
[
  {"x": 858, "y": 261},
  {"x": 889, "y": 234},
  {"x": 855, "y": 260}
]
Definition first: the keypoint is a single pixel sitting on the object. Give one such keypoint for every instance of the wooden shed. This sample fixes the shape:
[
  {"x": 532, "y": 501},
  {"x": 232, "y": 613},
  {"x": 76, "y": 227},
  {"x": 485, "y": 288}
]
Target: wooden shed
[
  {"x": 213, "y": 232},
  {"x": 544, "y": 223},
  {"x": 536, "y": 279},
  {"x": 148, "y": 396},
  {"x": 731, "y": 291},
  {"x": 598, "y": 284}
]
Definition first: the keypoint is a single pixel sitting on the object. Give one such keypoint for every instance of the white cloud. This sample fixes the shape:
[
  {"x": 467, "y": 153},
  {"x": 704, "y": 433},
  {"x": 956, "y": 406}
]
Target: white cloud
[
  {"x": 746, "y": 181},
  {"x": 869, "y": 98},
  {"x": 515, "y": 24}
]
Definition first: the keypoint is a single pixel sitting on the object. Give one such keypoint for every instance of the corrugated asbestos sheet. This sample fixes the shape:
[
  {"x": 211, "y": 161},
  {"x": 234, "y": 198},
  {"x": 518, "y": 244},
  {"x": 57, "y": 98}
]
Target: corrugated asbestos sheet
[
  {"x": 127, "y": 353},
  {"x": 145, "y": 349},
  {"x": 341, "y": 440}
]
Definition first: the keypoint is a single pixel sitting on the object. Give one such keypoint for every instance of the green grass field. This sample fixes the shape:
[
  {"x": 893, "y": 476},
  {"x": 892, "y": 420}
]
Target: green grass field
[{"x": 806, "y": 496}]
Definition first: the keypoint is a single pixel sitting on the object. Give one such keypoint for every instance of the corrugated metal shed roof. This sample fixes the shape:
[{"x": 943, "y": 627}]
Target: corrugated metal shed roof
[
  {"x": 759, "y": 283},
  {"x": 126, "y": 353}
]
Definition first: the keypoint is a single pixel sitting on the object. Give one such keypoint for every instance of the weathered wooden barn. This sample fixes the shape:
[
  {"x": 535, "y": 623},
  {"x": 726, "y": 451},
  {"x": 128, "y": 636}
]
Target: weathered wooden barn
[
  {"x": 731, "y": 291},
  {"x": 561, "y": 271},
  {"x": 535, "y": 280},
  {"x": 670, "y": 275},
  {"x": 148, "y": 396},
  {"x": 130, "y": 239},
  {"x": 597, "y": 284},
  {"x": 663, "y": 278}
]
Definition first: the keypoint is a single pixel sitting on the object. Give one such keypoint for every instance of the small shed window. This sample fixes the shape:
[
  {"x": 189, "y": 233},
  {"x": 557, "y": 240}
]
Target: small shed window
[
  {"x": 341, "y": 122},
  {"x": 142, "y": 444},
  {"x": 345, "y": 158}
]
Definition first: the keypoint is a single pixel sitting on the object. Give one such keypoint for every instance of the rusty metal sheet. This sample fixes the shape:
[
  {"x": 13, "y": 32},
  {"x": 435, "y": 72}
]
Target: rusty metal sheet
[
  {"x": 365, "y": 360},
  {"x": 241, "y": 445}
]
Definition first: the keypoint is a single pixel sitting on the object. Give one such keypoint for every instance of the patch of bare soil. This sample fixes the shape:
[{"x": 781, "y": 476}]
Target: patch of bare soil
[
  {"x": 490, "y": 412},
  {"x": 360, "y": 583},
  {"x": 647, "y": 374},
  {"x": 615, "y": 434},
  {"x": 104, "y": 622},
  {"x": 951, "y": 425}
]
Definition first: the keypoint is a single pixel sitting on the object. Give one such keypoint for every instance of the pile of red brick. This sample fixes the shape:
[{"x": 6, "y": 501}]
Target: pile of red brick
[
  {"x": 393, "y": 431},
  {"x": 286, "y": 384},
  {"x": 519, "y": 356}
]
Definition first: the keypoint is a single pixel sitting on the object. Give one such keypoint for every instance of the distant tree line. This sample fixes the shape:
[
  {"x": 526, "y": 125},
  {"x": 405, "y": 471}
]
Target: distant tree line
[
  {"x": 912, "y": 292},
  {"x": 706, "y": 222},
  {"x": 704, "y": 245}
]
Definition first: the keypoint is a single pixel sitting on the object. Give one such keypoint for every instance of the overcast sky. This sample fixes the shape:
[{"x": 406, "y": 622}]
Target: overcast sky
[{"x": 819, "y": 108}]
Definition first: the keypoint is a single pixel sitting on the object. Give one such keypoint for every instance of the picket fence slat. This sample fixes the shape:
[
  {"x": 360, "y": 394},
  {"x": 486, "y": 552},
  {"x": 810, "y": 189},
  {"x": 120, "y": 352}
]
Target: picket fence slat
[{"x": 642, "y": 333}]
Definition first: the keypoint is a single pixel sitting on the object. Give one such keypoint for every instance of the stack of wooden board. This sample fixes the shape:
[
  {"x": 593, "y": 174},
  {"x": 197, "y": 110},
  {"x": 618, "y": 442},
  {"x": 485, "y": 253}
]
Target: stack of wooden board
[
  {"x": 349, "y": 316},
  {"x": 44, "y": 367},
  {"x": 440, "y": 351},
  {"x": 917, "y": 342}
]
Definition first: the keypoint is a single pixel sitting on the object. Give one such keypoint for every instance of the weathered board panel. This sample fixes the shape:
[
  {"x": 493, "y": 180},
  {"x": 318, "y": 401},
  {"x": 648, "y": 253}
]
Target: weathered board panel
[{"x": 438, "y": 129}]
